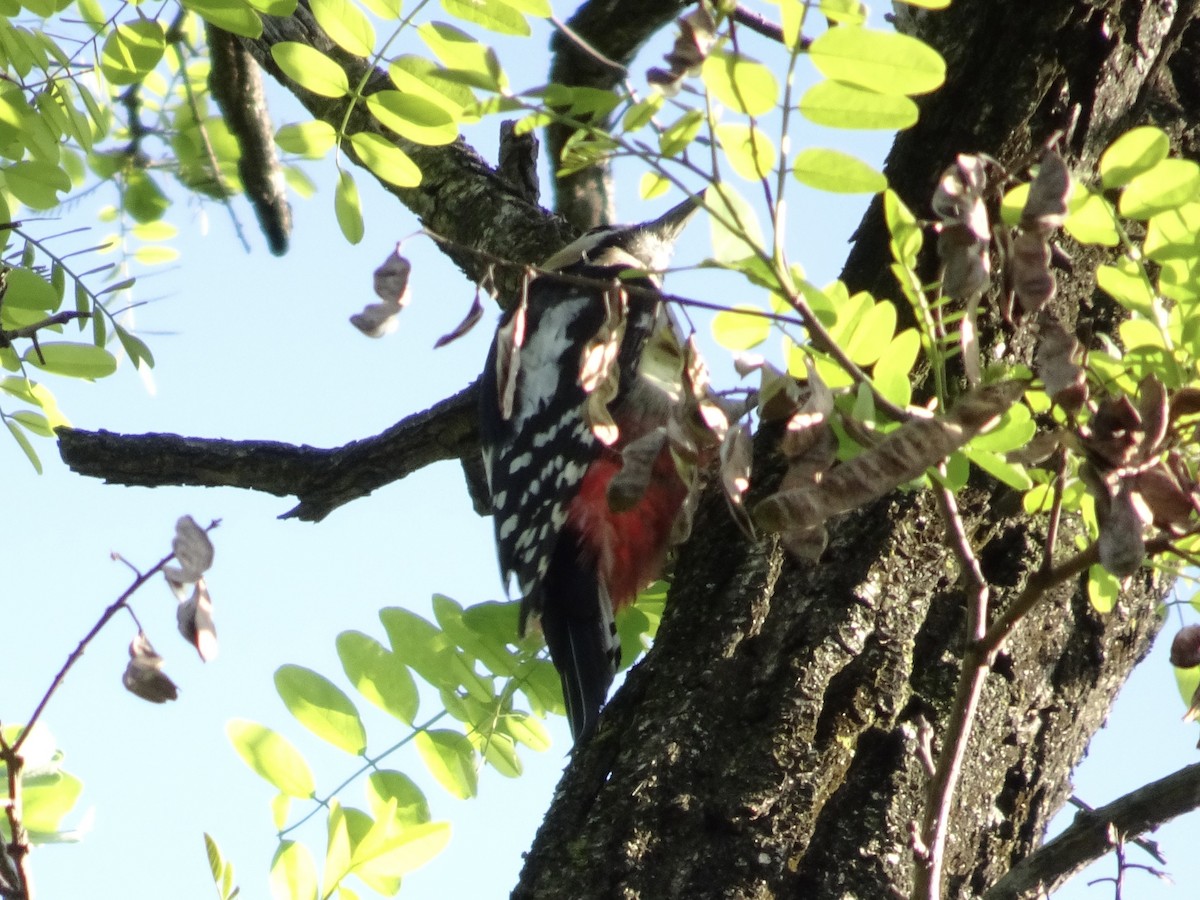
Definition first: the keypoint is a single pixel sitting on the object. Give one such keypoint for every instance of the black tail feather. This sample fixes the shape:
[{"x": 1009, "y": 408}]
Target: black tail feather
[{"x": 578, "y": 625}]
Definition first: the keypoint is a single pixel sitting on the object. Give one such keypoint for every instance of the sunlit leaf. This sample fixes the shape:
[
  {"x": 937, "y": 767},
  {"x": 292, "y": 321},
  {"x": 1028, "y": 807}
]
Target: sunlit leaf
[
  {"x": 272, "y": 756},
  {"x": 1104, "y": 589},
  {"x": 236, "y": 16},
  {"x": 312, "y": 140},
  {"x": 450, "y": 758},
  {"x": 735, "y": 231},
  {"x": 494, "y": 15},
  {"x": 1168, "y": 185},
  {"x": 321, "y": 707},
  {"x": 386, "y": 160},
  {"x": 346, "y": 24},
  {"x": 131, "y": 50},
  {"x": 378, "y": 674},
  {"x": 395, "y": 791},
  {"x": 293, "y": 873},
  {"x": 839, "y": 105},
  {"x": 741, "y": 327},
  {"x": 36, "y": 184},
  {"x": 837, "y": 172},
  {"x": 740, "y": 83},
  {"x": 311, "y": 69},
  {"x": 1136, "y": 151},
  {"x": 887, "y": 62},
  {"x": 747, "y": 149},
  {"x": 73, "y": 360},
  {"x": 420, "y": 120},
  {"x": 347, "y": 208}
]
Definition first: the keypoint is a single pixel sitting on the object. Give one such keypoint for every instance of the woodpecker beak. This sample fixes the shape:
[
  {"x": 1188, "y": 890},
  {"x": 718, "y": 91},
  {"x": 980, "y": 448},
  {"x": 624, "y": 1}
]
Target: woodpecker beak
[{"x": 669, "y": 226}]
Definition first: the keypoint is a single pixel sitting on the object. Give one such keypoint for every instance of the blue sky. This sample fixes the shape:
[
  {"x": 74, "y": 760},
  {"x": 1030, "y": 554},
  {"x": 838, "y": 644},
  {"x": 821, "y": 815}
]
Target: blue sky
[{"x": 249, "y": 346}]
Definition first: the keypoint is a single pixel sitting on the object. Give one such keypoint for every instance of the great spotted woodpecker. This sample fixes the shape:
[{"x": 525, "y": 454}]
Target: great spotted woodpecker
[{"x": 563, "y": 393}]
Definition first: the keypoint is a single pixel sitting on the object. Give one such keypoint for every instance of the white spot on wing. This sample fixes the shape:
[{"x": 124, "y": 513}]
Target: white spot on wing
[{"x": 541, "y": 359}]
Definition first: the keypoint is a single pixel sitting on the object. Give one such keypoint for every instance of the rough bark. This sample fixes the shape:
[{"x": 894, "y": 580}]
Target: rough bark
[{"x": 766, "y": 746}]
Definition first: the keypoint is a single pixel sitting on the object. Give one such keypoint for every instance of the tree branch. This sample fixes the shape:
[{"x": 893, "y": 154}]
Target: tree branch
[
  {"x": 460, "y": 195},
  {"x": 1087, "y": 839},
  {"x": 599, "y": 34},
  {"x": 322, "y": 479}
]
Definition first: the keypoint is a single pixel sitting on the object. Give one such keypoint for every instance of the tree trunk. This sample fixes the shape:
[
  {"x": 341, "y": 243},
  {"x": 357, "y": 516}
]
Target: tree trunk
[{"x": 767, "y": 745}]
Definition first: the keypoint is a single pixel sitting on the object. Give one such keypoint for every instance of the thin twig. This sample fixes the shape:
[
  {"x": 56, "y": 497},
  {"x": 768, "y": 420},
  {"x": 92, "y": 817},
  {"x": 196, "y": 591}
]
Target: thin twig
[
  {"x": 587, "y": 48},
  {"x": 767, "y": 29},
  {"x": 28, "y": 331},
  {"x": 114, "y": 608},
  {"x": 1149, "y": 846},
  {"x": 934, "y": 831}
]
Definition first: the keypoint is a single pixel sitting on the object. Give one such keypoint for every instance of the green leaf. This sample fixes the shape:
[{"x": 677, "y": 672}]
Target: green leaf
[
  {"x": 652, "y": 185},
  {"x": 281, "y": 8},
  {"x": 1173, "y": 234},
  {"x": 999, "y": 468},
  {"x": 1126, "y": 283},
  {"x": 500, "y": 752},
  {"x": 417, "y": 76},
  {"x": 491, "y": 650},
  {"x": 1170, "y": 184},
  {"x": 421, "y": 646},
  {"x": 902, "y": 225},
  {"x": 749, "y": 150},
  {"x": 527, "y": 730},
  {"x": 735, "y": 231},
  {"x": 312, "y": 140},
  {"x": 416, "y": 118},
  {"x": 46, "y": 801},
  {"x": 281, "y": 805},
  {"x": 221, "y": 869},
  {"x": 394, "y": 851},
  {"x": 871, "y": 333},
  {"x": 135, "y": 348},
  {"x": 838, "y": 105},
  {"x": 235, "y": 16},
  {"x": 346, "y": 24},
  {"x": 311, "y": 69},
  {"x": 1136, "y": 151},
  {"x": 891, "y": 374},
  {"x": 23, "y": 442},
  {"x": 36, "y": 184},
  {"x": 347, "y": 208},
  {"x": 450, "y": 758},
  {"x": 321, "y": 707},
  {"x": 493, "y": 15},
  {"x": 676, "y": 137},
  {"x": 29, "y": 290},
  {"x": 539, "y": 8},
  {"x": 378, "y": 675},
  {"x": 1103, "y": 589},
  {"x": 386, "y": 160},
  {"x": 73, "y": 360},
  {"x": 740, "y": 83},
  {"x": 837, "y": 172},
  {"x": 337, "y": 850},
  {"x": 1015, "y": 429},
  {"x": 132, "y": 50},
  {"x": 293, "y": 873},
  {"x": 735, "y": 329},
  {"x": 463, "y": 56},
  {"x": 887, "y": 62},
  {"x": 395, "y": 791},
  {"x": 34, "y": 422},
  {"x": 144, "y": 200},
  {"x": 272, "y": 756},
  {"x": 1091, "y": 218}
]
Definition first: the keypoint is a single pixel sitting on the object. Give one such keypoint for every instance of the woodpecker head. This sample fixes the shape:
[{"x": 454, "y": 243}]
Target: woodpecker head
[{"x": 646, "y": 246}]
